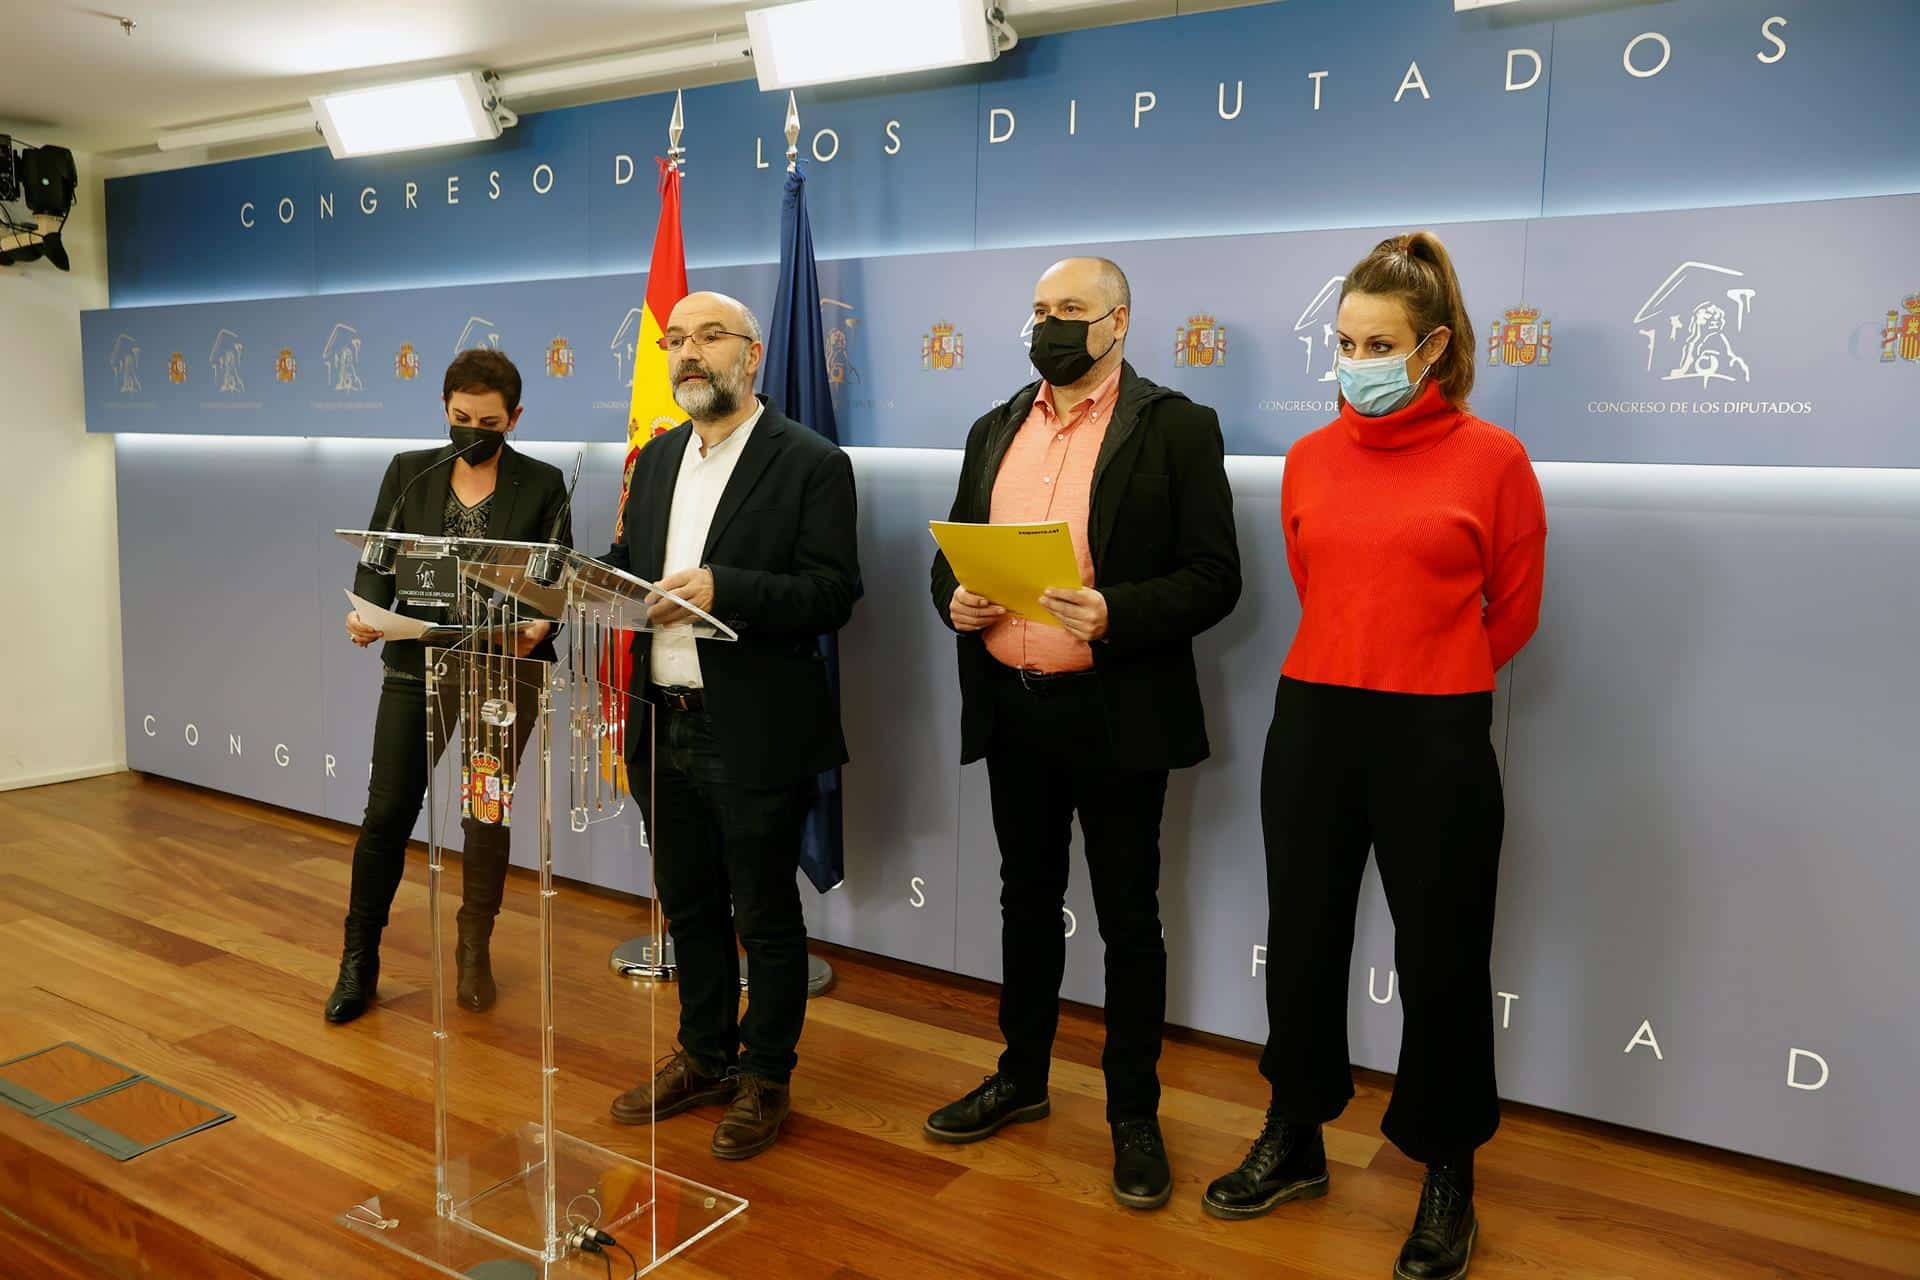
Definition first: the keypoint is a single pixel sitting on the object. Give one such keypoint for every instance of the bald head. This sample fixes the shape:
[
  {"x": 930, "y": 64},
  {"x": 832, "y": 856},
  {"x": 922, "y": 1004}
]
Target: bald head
[
  {"x": 713, "y": 352},
  {"x": 1092, "y": 290},
  {"x": 698, "y": 310},
  {"x": 1091, "y": 279}
]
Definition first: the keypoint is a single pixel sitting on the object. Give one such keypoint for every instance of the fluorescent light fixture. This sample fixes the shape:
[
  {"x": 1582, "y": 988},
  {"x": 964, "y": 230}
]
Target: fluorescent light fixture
[
  {"x": 728, "y": 50},
  {"x": 409, "y": 116},
  {"x": 246, "y": 129},
  {"x": 829, "y": 41},
  {"x": 1461, "y": 6}
]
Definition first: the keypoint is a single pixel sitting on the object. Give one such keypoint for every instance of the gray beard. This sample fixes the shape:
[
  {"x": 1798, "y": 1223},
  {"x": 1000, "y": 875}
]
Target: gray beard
[{"x": 709, "y": 401}]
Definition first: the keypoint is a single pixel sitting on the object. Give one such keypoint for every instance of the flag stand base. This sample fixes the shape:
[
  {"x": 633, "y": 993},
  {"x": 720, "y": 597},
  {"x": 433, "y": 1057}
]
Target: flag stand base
[
  {"x": 819, "y": 975},
  {"x": 638, "y": 958}
]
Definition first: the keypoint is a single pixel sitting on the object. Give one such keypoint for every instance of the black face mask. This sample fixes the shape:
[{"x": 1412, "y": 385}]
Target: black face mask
[
  {"x": 1060, "y": 349},
  {"x": 485, "y": 443}
]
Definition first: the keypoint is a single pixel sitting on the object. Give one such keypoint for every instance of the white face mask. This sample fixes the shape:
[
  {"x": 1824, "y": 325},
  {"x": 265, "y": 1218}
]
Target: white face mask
[{"x": 1380, "y": 385}]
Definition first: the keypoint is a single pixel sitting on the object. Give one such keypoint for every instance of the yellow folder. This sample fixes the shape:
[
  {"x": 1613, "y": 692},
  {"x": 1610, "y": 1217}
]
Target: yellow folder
[{"x": 1011, "y": 564}]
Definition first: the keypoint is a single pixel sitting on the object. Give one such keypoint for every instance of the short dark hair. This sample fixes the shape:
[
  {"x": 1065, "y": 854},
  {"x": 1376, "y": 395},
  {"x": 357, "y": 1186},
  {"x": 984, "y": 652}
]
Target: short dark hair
[{"x": 482, "y": 369}]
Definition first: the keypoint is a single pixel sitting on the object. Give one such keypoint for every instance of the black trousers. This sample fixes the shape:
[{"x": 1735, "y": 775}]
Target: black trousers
[
  {"x": 1414, "y": 777},
  {"x": 398, "y": 787},
  {"x": 1045, "y": 765},
  {"x": 725, "y": 860}
]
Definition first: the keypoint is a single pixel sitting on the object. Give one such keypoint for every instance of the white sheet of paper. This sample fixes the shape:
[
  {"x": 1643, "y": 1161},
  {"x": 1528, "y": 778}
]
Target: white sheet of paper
[{"x": 394, "y": 626}]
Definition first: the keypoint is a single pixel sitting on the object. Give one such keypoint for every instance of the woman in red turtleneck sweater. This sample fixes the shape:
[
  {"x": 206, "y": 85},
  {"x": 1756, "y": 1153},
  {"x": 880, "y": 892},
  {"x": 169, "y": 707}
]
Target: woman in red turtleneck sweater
[{"x": 1416, "y": 538}]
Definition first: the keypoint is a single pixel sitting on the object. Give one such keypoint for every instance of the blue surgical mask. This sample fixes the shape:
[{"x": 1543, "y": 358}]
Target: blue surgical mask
[{"x": 1379, "y": 386}]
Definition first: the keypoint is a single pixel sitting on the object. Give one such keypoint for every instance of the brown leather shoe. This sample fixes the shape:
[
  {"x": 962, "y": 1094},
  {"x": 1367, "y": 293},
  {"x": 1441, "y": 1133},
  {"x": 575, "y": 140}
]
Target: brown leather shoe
[
  {"x": 676, "y": 1086},
  {"x": 752, "y": 1123}
]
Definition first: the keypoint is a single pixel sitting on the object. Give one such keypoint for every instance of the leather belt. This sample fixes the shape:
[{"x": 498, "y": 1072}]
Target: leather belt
[
  {"x": 1048, "y": 682},
  {"x": 677, "y": 699}
]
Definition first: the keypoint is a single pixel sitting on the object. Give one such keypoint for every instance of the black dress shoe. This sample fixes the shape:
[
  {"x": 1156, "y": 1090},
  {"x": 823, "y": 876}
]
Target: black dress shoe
[
  {"x": 982, "y": 1113},
  {"x": 1142, "y": 1178},
  {"x": 1287, "y": 1162},
  {"x": 359, "y": 976},
  {"x": 1443, "y": 1231}
]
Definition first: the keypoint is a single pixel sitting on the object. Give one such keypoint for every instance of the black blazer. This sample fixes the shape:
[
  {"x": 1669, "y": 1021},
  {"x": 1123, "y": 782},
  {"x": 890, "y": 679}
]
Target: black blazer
[
  {"x": 1165, "y": 556},
  {"x": 786, "y": 571},
  {"x": 526, "y": 498}
]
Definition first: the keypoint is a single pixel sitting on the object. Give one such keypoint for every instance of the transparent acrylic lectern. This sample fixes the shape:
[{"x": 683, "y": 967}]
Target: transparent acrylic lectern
[{"x": 529, "y": 1169}]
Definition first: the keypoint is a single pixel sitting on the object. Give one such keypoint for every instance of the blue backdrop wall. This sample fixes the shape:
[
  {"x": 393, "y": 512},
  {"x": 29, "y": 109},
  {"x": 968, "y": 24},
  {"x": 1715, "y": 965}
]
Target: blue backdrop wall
[{"x": 1686, "y": 231}]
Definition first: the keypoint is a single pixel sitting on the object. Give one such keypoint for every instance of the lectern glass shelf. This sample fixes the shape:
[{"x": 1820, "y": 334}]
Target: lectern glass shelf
[{"x": 526, "y": 1158}]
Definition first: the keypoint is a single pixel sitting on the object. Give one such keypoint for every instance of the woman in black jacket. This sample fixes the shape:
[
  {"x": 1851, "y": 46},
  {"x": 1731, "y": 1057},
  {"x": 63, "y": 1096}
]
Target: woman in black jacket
[{"x": 487, "y": 490}]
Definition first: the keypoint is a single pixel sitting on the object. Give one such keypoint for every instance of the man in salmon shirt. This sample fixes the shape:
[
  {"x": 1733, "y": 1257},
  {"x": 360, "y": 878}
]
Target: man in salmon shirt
[{"x": 1090, "y": 716}]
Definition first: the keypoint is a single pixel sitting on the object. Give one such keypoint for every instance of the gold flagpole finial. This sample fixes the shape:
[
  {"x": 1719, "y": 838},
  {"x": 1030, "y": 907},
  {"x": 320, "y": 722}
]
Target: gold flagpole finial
[
  {"x": 676, "y": 154},
  {"x": 793, "y": 133}
]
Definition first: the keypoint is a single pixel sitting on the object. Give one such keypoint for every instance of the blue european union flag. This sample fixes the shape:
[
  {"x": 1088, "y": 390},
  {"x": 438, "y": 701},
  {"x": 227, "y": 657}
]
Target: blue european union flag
[{"x": 796, "y": 383}]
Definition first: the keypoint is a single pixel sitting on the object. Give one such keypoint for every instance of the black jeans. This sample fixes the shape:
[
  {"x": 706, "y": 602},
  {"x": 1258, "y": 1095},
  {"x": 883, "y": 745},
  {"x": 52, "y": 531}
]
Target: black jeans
[
  {"x": 725, "y": 859},
  {"x": 1048, "y": 761},
  {"x": 1414, "y": 777},
  {"x": 398, "y": 787}
]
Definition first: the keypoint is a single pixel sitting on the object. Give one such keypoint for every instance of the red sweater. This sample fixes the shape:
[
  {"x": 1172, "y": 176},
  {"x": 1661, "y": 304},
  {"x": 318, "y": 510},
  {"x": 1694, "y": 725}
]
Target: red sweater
[{"x": 1417, "y": 542}]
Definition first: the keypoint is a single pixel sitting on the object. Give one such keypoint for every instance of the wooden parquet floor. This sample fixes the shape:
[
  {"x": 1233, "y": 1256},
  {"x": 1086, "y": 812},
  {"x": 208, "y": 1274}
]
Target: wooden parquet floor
[{"x": 193, "y": 936}]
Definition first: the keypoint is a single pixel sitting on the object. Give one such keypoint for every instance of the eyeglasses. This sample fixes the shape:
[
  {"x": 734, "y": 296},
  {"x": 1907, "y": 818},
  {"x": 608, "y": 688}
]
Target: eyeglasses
[{"x": 701, "y": 339}]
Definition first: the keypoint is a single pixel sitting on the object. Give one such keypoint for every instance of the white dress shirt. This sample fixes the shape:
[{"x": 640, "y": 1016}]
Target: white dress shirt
[{"x": 703, "y": 478}]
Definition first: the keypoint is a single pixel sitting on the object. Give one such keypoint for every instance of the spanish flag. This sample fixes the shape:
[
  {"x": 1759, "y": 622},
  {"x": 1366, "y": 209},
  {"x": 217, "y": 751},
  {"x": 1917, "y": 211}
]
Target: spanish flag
[{"x": 651, "y": 412}]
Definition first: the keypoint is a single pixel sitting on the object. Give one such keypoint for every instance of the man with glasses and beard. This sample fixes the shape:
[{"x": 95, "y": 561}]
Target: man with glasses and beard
[{"x": 748, "y": 516}]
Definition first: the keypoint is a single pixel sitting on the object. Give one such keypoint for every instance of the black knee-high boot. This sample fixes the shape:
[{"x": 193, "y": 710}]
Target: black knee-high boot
[{"x": 483, "y": 883}]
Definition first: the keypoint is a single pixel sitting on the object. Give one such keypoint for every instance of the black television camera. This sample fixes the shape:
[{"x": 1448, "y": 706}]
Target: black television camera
[{"x": 44, "y": 180}]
